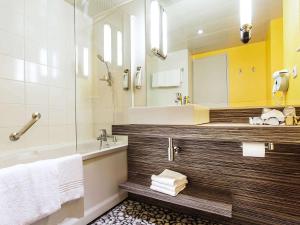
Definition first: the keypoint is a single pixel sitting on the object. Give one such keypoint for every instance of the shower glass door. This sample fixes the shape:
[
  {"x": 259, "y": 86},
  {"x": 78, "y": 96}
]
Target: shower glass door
[{"x": 37, "y": 74}]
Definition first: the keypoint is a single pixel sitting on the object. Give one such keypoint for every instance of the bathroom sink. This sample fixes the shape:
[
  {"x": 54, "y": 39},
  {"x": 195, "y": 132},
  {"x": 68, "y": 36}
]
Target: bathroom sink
[{"x": 169, "y": 115}]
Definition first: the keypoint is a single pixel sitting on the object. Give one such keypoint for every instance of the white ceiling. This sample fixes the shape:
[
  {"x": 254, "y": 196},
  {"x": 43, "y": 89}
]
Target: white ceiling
[
  {"x": 93, "y": 8},
  {"x": 218, "y": 18}
]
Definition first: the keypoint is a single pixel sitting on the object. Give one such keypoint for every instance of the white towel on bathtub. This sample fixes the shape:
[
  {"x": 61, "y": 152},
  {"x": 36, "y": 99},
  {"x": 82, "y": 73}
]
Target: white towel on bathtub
[
  {"x": 70, "y": 178},
  {"x": 28, "y": 192}
]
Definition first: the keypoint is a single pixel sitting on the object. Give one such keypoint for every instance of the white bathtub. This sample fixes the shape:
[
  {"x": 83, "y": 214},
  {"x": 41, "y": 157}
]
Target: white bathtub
[{"x": 104, "y": 170}]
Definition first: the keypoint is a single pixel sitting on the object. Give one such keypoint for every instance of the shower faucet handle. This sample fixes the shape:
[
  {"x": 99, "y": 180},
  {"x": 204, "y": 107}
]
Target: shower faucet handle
[{"x": 103, "y": 135}]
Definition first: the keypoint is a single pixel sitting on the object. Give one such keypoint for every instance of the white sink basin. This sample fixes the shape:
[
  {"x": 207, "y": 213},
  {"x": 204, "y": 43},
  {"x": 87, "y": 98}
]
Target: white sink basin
[{"x": 169, "y": 115}]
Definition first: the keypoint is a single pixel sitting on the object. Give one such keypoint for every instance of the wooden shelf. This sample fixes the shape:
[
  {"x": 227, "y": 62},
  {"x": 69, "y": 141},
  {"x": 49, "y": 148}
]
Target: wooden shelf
[{"x": 210, "y": 201}]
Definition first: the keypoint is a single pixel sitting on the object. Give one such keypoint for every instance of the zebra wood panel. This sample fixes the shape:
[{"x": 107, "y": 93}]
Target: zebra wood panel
[
  {"x": 220, "y": 132},
  {"x": 264, "y": 190}
]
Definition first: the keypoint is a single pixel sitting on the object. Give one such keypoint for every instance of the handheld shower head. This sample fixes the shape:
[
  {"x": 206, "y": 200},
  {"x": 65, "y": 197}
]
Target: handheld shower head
[
  {"x": 108, "y": 77},
  {"x": 100, "y": 57}
]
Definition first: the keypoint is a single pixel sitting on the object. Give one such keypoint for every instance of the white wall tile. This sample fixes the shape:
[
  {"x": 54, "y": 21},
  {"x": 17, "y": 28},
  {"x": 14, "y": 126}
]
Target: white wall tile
[
  {"x": 12, "y": 115},
  {"x": 11, "y": 92},
  {"x": 36, "y": 73},
  {"x": 11, "y": 44},
  {"x": 36, "y": 51},
  {"x": 36, "y": 20},
  {"x": 12, "y": 6},
  {"x": 58, "y": 134},
  {"x": 38, "y": 135},
  {"x": 71, "y": 133},
  {"x": 71, "y": 116},
  {"x": 36, "y": 94},
  {"x": 11, "y": 68},
  {"x": 57, "y": 77},
  {"x": 57, "y": 97},
  {"x": 12, "y": 17},
  {"x": 57, "y": 116}
]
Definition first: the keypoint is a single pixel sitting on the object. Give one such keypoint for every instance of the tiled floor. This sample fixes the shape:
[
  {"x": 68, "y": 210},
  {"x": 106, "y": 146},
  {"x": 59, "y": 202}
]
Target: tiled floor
[{"x": 136, "y": 213}]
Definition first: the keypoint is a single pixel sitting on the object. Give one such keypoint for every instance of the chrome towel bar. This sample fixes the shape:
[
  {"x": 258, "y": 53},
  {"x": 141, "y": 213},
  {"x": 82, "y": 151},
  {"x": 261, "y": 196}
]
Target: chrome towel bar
[{"x": 16, "y": 136}]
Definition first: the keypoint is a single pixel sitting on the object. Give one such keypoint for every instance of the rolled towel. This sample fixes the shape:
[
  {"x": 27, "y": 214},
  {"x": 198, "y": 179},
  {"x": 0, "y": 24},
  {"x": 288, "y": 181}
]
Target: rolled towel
[
  {"x": 166, "y": 191},
  {"x": 168, "y": 187},
  {"x": 170, "y": 177}
]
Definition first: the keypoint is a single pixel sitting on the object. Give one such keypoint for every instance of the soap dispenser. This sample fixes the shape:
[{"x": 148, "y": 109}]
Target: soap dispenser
[
  {"x": 126, "y": 79},
  {"x": 138, "y": 78}
]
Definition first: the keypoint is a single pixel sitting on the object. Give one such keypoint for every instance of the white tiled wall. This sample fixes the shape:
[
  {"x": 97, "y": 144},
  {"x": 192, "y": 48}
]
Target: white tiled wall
[
  {"x": 110, "y": 104},
  {"x": 84, "y": 82},
  {"x": 37, "y": 71}
]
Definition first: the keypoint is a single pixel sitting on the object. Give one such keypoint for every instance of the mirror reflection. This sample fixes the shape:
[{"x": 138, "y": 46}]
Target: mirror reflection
[{"x": 223, "y": 53}]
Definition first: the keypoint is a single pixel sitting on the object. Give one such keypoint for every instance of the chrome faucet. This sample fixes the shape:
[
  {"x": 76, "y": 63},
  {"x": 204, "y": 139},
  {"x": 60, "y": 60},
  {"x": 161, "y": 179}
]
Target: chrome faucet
[
  {"x": 179, "y": 98},
  {"x": 186, "y": 100},
  {"x": 103, "y": 138},
  {"x": 172, "y": 149}
]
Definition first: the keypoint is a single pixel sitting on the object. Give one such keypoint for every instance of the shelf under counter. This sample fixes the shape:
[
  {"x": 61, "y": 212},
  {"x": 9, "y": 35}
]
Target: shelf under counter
[
  {"x": 210, "y": 201},
  {"x": 235, "y": 132}
]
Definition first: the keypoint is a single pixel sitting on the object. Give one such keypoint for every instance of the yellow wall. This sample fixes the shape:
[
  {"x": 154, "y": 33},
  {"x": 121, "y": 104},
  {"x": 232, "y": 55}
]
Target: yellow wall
[
  {"x": 274, "y": 48},
  {"x": 246, "y": 88},
  {"x": 291, "y": 41},
  {"x": 277, "y": 52}
]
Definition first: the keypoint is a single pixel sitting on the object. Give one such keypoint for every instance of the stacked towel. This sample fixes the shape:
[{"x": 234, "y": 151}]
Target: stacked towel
[{"x": 169, "y": 182}]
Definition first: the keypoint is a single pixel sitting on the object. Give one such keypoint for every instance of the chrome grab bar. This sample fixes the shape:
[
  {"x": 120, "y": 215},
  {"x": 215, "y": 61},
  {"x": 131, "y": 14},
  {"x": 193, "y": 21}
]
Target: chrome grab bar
[{"x": 16, "y": 136}]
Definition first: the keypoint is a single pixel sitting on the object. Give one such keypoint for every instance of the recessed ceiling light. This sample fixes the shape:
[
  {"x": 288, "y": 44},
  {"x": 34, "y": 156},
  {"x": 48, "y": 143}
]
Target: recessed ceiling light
[{"x": 200, "y": 31}]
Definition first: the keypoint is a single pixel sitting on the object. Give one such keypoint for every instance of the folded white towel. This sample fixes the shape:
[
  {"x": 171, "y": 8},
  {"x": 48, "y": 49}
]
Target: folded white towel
[
  {"x": 273, "y": 113},
  {"x": 28, "y": 192},
  {"x": 166, "y": 191},
  {"x": 168, "y": 187},
  {"x": 70, "y": 178},
  {"x": 170, "y": 177}
]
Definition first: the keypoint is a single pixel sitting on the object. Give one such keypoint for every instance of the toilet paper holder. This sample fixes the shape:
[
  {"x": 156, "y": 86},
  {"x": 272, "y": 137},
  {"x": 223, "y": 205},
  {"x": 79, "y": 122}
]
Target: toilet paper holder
[
  {"x": 269, "y": 146},
  {"x": 256, "y": 149},
  {"x": 281, "y": 81}
]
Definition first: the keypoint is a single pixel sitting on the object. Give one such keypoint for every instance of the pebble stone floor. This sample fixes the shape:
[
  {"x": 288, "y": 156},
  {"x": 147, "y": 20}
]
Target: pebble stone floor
[{"x": 136, "y": 213}]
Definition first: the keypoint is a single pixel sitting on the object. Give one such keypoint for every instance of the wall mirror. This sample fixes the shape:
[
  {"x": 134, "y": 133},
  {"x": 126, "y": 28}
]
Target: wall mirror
[{"x": 224, "y": 53}]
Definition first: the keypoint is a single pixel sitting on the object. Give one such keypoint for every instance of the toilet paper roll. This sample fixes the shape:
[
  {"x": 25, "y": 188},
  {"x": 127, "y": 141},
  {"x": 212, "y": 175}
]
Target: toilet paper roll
[
  {"x": 281, "y": 84},
  {"x": 254, "y": 149}
]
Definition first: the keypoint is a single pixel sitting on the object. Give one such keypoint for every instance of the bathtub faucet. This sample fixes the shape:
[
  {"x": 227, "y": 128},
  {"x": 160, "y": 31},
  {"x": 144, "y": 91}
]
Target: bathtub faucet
[{"x": 103, "y": 138}]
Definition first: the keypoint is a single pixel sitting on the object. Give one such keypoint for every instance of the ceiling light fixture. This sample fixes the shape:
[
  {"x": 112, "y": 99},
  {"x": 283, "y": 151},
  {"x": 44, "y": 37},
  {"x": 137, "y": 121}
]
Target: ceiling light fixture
[
  {"x": 159, "y": 30},
  {"x": 200, "y": 31},
  {"x": 245, "y": 20}
]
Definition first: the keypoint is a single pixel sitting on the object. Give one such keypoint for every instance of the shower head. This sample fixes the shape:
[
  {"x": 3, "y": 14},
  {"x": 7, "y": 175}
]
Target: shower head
[
  {"x": 100, "y": 57},
  {"x": 107, "y": 77}
]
